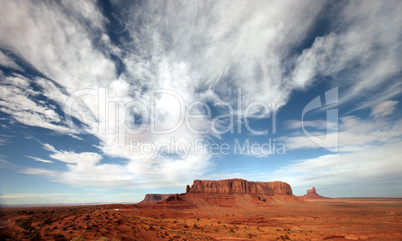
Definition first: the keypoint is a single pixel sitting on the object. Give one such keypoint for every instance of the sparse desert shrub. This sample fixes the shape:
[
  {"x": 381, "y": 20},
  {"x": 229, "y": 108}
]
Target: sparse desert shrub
[
  {"x": 35, "y": 236},
  {"x": 250, "y": 235},
  {"x": 78, "y": 238},
  {"x": 27, "y": 226},
  {"x": 5, "y": 236},
  {"x": 102, "y": 239},
  {"x": 286, "y": 237},
  {"x": 48, "y": 221},
  {"x": 231, "y": 230},
  {"x": 59, "y": 237}
]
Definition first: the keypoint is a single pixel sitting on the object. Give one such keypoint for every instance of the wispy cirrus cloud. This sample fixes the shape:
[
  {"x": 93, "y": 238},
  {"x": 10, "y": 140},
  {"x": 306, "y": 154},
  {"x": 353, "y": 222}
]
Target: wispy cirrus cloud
[
  {"x": 383, "y": 109},
  {"x": 8, "y": 62},
  {"x": 39, "y": 159},
  {"x": 32, "y": 195},
  {"x": 353, "y": 131},
  {"x": 200, "y": 52},
  {"x": 353, "y": 54}
]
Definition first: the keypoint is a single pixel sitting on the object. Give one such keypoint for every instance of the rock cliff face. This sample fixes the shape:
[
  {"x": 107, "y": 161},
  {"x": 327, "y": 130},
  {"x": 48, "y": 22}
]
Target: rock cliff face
[
  {"x": 231, "y": 193},
  {"x": 154, "y": 198},
  {"x": 239, "y": 186},
  {"x": 311, "y": 191}
]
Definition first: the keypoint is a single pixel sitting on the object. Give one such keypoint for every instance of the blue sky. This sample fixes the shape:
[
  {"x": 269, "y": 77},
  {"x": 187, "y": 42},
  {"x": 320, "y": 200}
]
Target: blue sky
[{"x": 105, "y": 101}]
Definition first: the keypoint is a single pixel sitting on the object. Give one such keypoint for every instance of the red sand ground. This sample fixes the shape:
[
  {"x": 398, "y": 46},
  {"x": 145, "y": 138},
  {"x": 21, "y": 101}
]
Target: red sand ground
[{"x": 243, "y": 218}]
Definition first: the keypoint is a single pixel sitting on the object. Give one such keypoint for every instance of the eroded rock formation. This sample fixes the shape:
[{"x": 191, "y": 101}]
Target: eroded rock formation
[
  {"x": 239, "y": 186},
  {"x": 231, "y": 193},
  {"x": 154, "y": 198},
  {"x": 312, "y": 194}
]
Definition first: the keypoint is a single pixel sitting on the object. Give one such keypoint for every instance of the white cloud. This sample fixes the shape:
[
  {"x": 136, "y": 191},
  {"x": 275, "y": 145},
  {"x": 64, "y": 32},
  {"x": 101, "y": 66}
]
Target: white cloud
[
  {"x": 353, "y": 131},
  {"x": 245, "y": 42},
  {"x": 86, "y": 170},
  {"x": 355, "y": 43},
  {"x": 33, "y": 195},
  {"x": 84, "y": 158},
  {"x": 40, "y": 172},
  {"x": 61, "y": 48},
  {"x": 39, "y": 159},
  {"x": 8, "y": 62},
  {"x": 383, "y": 109},
  {"x": 17, "y": 100},
  {"x": 4, "y": 139},
  {"x": 318, "y": 124}
]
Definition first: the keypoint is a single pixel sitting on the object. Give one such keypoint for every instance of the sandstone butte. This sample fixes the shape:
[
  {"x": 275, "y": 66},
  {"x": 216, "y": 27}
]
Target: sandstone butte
[
  {"x": 312, "y": 194},
  {"x": 154, "y": 198},
  {"x": 239, "y": 186},
  {"x": 231, "y": 193}
]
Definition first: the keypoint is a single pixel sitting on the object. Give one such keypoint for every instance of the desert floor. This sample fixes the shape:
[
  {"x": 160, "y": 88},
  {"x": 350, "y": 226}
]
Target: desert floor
[{"x": 330, "y": 219}]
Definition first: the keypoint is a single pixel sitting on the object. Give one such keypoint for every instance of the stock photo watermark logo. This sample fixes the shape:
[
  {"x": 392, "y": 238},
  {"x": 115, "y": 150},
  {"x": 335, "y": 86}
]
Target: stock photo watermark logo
[
  {"x": 198, "y": 147},
  {"x": 125, "y": 117},
  {"x": 329, "y": 140},
  {"x": 165, "y": 112}
]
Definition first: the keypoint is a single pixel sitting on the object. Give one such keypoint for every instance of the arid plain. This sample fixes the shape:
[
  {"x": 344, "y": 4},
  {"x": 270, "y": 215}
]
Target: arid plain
[{"x": 217, "y": 216}]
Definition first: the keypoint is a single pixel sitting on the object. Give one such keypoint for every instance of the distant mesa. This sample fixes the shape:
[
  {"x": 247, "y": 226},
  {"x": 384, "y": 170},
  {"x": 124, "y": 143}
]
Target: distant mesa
[
  {"x": 312, "y": 194},
  {"x": 155, "y": 198}
]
